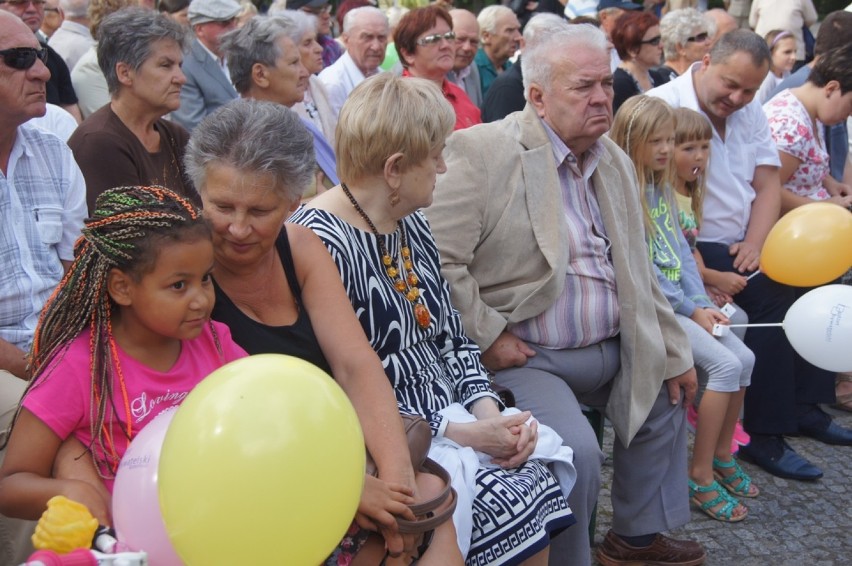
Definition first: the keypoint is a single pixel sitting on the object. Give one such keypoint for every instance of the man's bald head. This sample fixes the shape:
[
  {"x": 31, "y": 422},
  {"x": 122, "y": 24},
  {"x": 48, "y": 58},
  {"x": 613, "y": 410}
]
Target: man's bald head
[
  {"x": 22, "y": 88},
  {"x": 722, "y": 22},
  {"x": 467, "y": 37}
]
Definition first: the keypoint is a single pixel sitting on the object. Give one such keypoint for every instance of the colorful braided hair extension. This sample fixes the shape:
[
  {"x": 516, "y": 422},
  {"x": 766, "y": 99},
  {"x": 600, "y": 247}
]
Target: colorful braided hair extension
[{"x": 127, "y": 226}]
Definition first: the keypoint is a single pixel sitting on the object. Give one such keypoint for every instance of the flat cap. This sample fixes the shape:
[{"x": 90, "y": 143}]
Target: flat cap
[
  {"x": 604, "y": 4},
  {"x": 203, "y": 11}
]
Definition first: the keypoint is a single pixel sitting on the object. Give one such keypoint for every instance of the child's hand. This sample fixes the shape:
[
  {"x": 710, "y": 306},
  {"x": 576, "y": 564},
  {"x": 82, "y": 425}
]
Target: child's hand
[
  {"x": 380, "y": 504},
  {"x": 718, "y": 317},
  {"x": 706, "y": 318},
  {"x": 730, "y": 282},
  {"x": 718, "y": 297}
]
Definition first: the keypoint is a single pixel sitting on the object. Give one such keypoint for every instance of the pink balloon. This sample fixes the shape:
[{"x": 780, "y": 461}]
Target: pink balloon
[{"x": 135, "y": 501}]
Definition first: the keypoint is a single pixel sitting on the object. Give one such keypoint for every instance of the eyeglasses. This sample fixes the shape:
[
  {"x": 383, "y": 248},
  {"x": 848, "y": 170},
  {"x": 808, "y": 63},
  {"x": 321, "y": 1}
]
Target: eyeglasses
[
  {"x": 436, "y": 38},
  {"x": 700, "y": 38},
  {"x": 653, "y": 41},
  {"x": 23, "y": 3},
  {"x": 22, "y": 58},
  {"x": 52, "y": 10}
]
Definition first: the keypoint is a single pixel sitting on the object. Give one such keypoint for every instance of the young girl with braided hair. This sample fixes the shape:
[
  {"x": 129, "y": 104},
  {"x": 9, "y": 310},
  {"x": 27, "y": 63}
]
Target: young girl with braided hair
[
  {"x": 645, "y": 128},
  {"x": 126, "y": 335}
]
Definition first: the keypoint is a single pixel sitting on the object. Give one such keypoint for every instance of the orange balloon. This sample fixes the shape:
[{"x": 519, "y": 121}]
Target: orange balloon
[{"x": 809, "y": 245}]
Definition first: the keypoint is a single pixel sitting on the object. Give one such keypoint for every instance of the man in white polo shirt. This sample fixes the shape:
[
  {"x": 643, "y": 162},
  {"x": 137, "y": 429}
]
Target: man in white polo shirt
[
  {"x": 365, "y": 34},
  {"x": 741, "y": 205}
]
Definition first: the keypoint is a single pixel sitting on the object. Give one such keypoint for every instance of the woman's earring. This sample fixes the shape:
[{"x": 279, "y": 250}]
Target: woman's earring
[{"x": 393, "y": 197}]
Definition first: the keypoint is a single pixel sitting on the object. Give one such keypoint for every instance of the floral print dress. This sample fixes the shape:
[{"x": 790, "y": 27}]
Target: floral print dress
[{"x": 793, "y": 132}]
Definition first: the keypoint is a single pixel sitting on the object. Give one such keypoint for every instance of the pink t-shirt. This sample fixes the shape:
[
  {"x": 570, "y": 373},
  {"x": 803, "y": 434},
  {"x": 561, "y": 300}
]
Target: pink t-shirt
[
  {"x": 62, "y": 395},
  {"x": 793, "y": 132}
]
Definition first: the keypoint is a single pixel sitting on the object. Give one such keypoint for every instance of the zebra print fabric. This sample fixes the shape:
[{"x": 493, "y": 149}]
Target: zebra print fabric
[{"x": 515, "y": 511}]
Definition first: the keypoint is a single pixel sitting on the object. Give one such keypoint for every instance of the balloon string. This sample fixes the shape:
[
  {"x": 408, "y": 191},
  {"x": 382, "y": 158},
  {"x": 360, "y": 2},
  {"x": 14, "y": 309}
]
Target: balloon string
[
  {"x": 754, "y": 325},
  {"x": 752, "y": 275}
]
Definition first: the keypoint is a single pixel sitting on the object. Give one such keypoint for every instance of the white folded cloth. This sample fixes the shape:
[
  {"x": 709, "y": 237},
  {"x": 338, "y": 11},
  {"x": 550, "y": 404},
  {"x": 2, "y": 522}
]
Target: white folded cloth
[{"x": 462, "y": 463}]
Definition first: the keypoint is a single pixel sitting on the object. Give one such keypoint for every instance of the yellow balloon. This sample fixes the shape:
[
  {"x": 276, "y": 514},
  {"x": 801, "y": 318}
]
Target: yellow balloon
[
  {"x": 809, "y": 246},
  {"x": 262, "y": 464}
]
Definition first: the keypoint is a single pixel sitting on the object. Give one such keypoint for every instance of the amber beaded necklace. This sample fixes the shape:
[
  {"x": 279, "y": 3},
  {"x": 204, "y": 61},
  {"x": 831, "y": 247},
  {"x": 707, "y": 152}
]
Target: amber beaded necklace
[{"x": 404, "y": 279}]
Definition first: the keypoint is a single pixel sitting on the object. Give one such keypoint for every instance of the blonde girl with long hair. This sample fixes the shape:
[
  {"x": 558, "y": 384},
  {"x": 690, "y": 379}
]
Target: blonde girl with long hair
[{"x": 645, "y": 129}]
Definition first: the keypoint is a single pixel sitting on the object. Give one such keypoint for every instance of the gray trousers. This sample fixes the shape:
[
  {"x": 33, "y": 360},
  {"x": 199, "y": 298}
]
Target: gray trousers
[
  {"x": 649, "y": 490},
  {"x": 726, "y": 360}
]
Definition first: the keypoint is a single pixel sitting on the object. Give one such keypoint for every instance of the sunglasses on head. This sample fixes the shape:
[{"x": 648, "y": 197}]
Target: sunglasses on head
[
  {"x": 436, "y": 38},
  {"x": 22, "y": 58}
]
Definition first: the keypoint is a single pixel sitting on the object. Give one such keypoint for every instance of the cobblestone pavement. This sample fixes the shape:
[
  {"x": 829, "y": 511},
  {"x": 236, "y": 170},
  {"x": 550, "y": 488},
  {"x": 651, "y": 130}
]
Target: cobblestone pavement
[{"x": 791, "y": 523}]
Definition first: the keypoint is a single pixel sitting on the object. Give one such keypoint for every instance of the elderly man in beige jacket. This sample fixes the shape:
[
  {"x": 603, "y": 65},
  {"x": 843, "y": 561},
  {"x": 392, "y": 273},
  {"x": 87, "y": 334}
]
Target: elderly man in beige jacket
[{"x": 541, "y": 235}]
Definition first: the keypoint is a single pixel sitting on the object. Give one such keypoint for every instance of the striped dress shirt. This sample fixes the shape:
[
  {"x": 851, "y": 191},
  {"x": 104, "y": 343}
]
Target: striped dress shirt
[{"x": 587, "y": 310}]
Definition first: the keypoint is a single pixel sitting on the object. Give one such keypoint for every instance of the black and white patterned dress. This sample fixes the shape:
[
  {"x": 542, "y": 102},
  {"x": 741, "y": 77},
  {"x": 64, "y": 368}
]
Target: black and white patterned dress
[{"x": 515, "y": 511}]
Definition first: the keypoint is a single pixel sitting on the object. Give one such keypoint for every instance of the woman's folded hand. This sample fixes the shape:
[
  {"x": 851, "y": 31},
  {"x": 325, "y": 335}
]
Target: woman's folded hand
[
  {"x": 527, "y": 438},
  {"x": 507, "y": 439}
]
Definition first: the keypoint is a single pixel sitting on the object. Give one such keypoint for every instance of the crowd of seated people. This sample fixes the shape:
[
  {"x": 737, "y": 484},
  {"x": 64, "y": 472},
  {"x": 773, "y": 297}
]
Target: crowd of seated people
[{"x": 391, "y": 196}]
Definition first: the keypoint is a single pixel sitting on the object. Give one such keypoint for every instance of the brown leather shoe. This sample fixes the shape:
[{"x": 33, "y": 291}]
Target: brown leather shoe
[{"x": 664, "y": 551}]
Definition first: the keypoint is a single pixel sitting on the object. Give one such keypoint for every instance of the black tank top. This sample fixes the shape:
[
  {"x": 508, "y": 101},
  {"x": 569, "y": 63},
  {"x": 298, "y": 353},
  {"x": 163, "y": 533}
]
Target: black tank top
[{"x": 255, "y": 337}]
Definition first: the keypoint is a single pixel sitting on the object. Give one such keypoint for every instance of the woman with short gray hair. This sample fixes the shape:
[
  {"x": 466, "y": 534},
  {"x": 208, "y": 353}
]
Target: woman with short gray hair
[
  {"x": 260, "y": 138},
  {"x": 315, "y": 106},
  {"x": 86, "y": 76},
  {"x": 279, "y": 291},
  {"x": 128, "y": 142},
  {"x": 686, "y": 37},
  {"x": 265, "y": 64},
  {"x": 259, "y": 43}
]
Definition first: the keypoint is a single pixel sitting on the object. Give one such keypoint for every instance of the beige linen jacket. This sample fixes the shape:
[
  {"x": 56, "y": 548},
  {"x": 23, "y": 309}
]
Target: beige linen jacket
[{"x": 497, "y": 217}]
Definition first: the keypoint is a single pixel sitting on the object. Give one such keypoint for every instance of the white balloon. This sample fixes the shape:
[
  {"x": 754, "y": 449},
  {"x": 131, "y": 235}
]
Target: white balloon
[{"x": 819, "y": 327}]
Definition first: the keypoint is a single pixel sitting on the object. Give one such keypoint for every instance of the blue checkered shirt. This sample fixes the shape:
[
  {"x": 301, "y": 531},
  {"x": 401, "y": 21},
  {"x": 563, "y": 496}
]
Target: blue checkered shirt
[{"x": 42, "y": 208}]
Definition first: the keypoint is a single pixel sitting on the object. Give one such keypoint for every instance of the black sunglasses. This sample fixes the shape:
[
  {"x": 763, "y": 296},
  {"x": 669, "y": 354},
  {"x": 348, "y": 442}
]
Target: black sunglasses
[
  {"x": 653, "y": 41},
  {"x": 700, "y": 38},
  {"x": 22, "y": 58}
]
